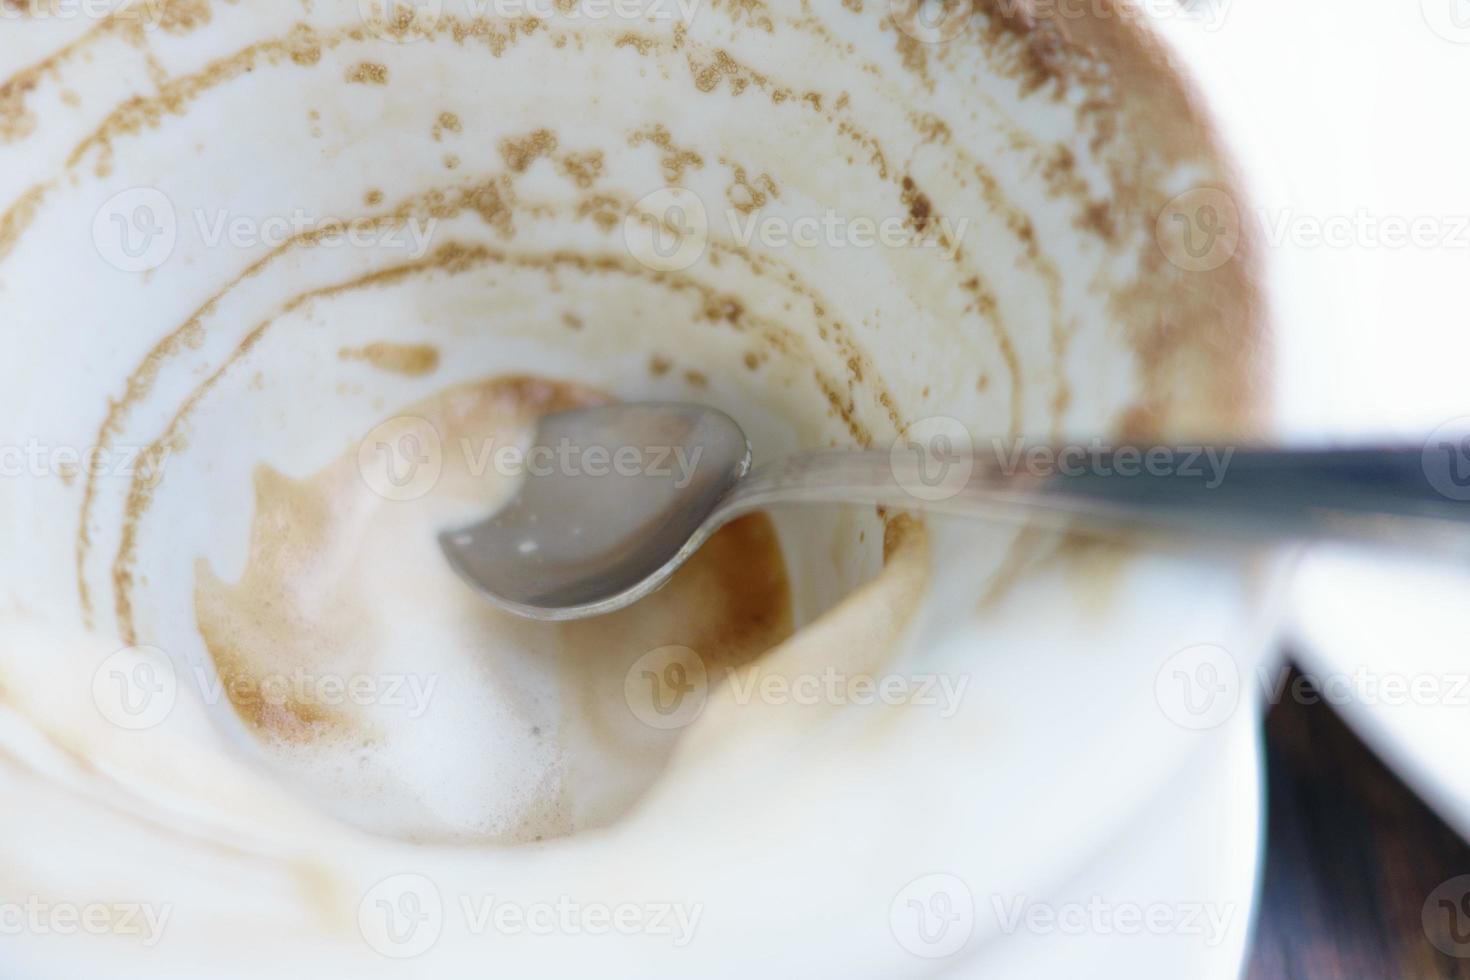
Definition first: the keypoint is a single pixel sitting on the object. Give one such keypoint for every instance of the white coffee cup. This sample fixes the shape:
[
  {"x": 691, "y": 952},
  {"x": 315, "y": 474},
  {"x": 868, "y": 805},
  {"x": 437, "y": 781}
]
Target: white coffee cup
[{"x": 1019, "y": 233}]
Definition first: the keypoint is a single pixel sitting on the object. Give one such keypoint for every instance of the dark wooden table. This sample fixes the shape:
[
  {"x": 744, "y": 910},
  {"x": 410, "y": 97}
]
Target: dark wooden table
[{"x": 1352, "y": 857}]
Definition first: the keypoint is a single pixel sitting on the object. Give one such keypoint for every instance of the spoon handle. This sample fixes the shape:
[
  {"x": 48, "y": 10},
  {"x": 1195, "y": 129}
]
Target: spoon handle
[{"x": 1411, "y": 494}]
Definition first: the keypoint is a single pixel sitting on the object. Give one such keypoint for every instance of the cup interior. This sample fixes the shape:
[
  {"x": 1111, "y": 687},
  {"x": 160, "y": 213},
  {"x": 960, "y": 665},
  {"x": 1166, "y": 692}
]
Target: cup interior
[{"x": 240, "y": 243}]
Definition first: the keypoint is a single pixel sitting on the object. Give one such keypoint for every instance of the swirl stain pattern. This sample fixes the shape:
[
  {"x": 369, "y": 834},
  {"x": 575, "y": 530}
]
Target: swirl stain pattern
[{"x": 929, "y": 133}]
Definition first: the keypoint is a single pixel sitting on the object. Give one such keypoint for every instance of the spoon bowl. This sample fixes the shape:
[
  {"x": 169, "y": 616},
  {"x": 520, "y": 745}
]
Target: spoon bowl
[{"x": 613, "y": 500}]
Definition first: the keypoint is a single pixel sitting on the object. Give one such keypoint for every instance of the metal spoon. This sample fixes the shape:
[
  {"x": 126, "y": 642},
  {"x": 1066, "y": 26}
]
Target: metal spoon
[{"x": 615, "y": 499}]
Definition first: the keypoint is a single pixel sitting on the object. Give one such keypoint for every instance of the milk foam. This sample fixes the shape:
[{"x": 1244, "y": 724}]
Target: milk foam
[{"x": 384, "y": 689}]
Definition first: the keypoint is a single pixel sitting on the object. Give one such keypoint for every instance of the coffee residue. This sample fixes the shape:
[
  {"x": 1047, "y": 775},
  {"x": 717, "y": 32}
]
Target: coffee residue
[
  {"x": 413, "y": 360},
  {"x": 344, "y": 590}
]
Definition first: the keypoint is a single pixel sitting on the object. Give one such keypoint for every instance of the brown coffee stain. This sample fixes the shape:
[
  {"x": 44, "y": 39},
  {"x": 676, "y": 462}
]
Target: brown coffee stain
[
  {"x": 675, "y": 159},
  {"x": 298, "y": 608},
  {"x": 747, "y": 197},
  {"x": 412, "y": 360},
  {"x": 18, "y": 217},
  {"x": 451, "y": 258},
  {"x": 919, "y": 206},
  {"x": 295, "y": 607},
  {"x": 16, "y": 121},
  {"x": 176, "y": 17},
  {"x": 1172, "y": 318},
  {"x": 368, "y": 73},
  {"x": 519, "y": 153},
  {"x": 582, "y": 169}
]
